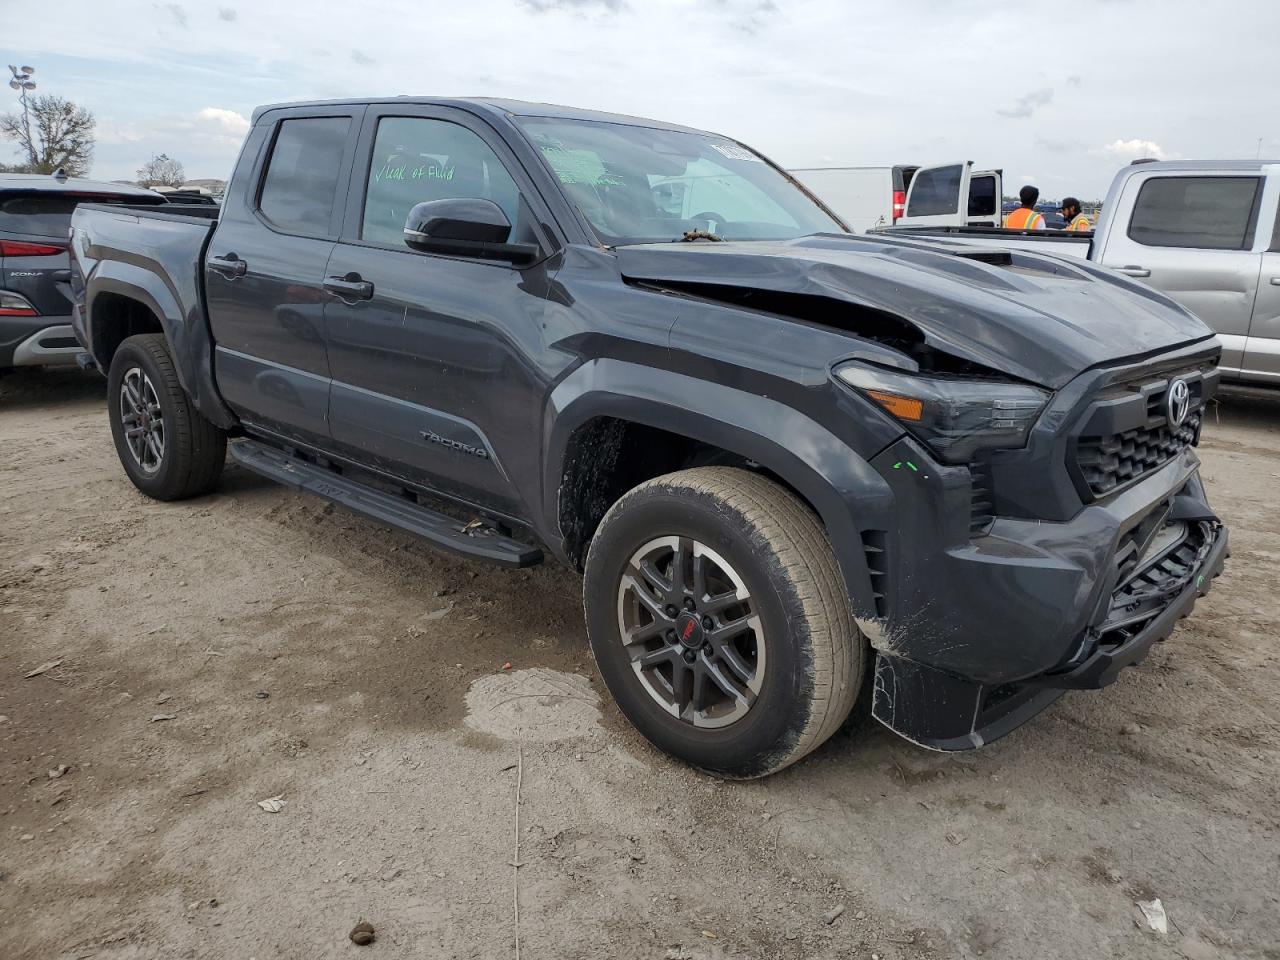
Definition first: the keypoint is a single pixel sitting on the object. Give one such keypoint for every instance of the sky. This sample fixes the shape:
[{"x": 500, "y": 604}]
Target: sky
[{"x": 1060, "y": 94}]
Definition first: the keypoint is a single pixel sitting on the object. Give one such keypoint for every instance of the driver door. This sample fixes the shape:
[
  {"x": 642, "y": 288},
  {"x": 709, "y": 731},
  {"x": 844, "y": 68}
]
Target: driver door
[
  {"x": 934, "y": 199},
  {"x": 428, "y": 352}
]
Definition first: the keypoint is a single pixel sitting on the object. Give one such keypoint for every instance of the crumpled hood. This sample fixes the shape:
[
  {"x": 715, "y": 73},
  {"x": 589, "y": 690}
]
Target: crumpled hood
[{"x": 1039, "y": 318}]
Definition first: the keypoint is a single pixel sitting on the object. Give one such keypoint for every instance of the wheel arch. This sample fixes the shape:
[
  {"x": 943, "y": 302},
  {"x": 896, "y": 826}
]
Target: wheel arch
[
  {"x": 593, "y": 411},
  {"x": 124, "y": 299}
]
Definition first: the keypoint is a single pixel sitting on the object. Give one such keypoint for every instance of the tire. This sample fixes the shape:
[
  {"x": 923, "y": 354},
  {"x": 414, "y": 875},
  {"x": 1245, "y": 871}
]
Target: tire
[
  {"x": 186, "y": 454},
  {"x": 800, "y": 659}
]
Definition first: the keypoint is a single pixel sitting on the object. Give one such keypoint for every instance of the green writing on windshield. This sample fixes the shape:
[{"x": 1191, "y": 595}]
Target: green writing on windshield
[{"x": 576, "y": 166}]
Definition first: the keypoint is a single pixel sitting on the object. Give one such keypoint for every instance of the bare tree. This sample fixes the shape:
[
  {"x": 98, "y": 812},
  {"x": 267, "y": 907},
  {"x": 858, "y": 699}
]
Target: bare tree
[
  {"x": 161, "y": 171},
  {"x": 60, "y": 135}
]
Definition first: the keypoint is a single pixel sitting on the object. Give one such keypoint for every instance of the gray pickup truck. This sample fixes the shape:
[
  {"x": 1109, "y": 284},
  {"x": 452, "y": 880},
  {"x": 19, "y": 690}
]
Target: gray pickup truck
[
  {"x": 803, "y": 472},
  {"x": 1207, "y": 233}
]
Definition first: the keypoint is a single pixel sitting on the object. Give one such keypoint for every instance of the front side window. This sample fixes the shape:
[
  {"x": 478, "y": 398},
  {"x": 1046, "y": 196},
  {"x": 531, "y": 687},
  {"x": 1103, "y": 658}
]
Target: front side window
[
  {"x": 935, "y": 192},
  {"x": 416, "y": 159},
  {"x": 301, "y": 185},
  {"x": 1207, "y": 213},
  {"x": 639, "y": 184}
]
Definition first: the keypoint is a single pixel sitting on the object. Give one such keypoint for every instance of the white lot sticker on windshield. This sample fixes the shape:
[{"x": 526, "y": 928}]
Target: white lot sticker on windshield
[{"x": 734, "y": 152}]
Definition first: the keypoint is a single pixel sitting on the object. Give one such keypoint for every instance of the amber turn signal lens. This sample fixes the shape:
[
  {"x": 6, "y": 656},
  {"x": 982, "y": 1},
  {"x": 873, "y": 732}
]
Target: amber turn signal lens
[{"x": 904, "y": 408}]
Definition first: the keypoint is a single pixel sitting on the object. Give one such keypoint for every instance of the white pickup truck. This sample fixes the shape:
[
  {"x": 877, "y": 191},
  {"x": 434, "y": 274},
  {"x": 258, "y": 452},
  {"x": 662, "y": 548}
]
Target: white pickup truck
[
  {"x": 909, "y": 195},
  {"x": 1203, "y": 232}
]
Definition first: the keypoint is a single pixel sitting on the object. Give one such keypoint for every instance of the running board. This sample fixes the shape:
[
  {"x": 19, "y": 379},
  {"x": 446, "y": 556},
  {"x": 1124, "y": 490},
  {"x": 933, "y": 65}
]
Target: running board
[{"x": 446, "y": 532}]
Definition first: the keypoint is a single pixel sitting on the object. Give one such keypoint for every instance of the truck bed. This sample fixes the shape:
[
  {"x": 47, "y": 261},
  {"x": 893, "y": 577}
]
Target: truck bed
[{"x": 1058, "y": 242}]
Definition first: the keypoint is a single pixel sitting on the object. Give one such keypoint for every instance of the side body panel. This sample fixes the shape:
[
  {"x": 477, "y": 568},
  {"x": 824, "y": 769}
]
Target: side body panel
[
  {"x": 1260, "y": 362},
  {"x": 752, "y": 384},
  {"x": 152, "y": 259},
  {"x": 268, "y": 320},
  {"x": 436, "y": 376}
]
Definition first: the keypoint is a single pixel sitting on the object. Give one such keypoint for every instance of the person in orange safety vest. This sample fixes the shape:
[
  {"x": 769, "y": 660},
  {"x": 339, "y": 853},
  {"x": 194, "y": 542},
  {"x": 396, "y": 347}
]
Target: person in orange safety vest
[
  {"x": 1025, "y": 216},
  {"x": 1076, "y": 221}
]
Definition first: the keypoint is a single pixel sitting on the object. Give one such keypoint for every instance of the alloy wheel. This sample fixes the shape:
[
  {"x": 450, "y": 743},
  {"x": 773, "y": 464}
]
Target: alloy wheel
[
  {"x": 692, "y": 631},
  {"x": 142, "y": 420}
]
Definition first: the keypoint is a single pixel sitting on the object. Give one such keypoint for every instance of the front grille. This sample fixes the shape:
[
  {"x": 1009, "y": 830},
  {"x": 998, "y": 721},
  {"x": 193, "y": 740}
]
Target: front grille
[
  {"x": 1110, "y": 462},
  {"x": 1145, "y": 594}
]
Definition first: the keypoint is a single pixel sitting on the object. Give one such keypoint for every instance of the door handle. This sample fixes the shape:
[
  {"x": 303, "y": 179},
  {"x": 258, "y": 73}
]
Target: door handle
[
  {"x": 349, "y": 287},
  {"x": 1275, "y": 281},
  {"x": 228, "y": 266},
  {"x": 1134, "y": 271}
]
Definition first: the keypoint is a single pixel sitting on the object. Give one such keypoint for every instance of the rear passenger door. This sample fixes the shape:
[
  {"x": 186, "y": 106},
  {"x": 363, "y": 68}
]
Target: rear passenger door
[
  {"x": 1191, "y": 236},
  {"x": 434, "y": 379},
  {"x": 265, "y": 265},
  {"x": 934, "y": 198}
]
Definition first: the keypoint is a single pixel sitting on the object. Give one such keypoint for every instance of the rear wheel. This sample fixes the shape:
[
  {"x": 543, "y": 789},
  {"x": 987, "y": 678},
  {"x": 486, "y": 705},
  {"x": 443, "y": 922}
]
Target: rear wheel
[
  {"x": 720, "y": 623},
  {"x": 166, "y": 447}
]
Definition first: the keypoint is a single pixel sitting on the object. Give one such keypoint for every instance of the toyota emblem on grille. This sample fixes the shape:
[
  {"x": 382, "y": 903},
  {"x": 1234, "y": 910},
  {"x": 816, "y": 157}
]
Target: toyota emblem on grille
[{"x": 1177, "y": 403}]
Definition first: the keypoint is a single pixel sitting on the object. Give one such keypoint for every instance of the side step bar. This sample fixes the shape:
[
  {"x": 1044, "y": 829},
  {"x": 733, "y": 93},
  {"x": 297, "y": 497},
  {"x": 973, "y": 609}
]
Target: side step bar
[{"x": 448, "y": 533}]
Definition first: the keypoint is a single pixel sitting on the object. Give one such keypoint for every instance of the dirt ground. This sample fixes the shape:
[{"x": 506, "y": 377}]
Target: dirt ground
[{"x": 301, "y": 652}]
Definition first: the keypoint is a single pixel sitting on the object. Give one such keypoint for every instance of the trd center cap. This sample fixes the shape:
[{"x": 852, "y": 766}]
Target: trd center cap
[{"x": 689, "y": 630}]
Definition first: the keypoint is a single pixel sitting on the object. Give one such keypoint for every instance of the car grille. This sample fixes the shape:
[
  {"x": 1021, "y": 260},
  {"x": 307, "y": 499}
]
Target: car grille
[
  {"x": 1110, "y": 462},
  {"x": 1147, "y": 592},
  {"x": 1125, "y": 433}
]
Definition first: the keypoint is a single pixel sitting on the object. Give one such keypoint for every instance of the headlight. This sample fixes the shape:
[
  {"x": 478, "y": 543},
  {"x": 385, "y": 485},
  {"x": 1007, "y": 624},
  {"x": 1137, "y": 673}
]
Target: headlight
[{"x": 956, "y": 418}]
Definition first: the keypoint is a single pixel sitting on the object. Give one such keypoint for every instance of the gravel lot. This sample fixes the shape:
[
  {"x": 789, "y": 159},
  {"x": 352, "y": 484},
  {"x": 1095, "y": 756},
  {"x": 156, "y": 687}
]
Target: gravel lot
[{"x": 304, "y": 653}]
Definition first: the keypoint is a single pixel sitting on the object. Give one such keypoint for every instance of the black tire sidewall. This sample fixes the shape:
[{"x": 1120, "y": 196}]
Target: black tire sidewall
[
  {"x": 754, "y": 744},
  {"x": 165, "y": 482}
]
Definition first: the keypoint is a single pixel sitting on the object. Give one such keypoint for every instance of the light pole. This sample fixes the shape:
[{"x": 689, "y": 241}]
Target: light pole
[{"x": 22, "y": 82}]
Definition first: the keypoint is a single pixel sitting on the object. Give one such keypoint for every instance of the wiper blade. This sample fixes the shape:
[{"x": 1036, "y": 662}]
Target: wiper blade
[{"x": 691, "y": 235}]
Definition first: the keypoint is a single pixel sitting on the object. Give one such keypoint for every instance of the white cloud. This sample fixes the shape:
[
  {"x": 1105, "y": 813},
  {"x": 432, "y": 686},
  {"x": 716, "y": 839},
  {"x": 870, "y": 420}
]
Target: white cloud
[
  {"x": 224, "y": 123},
  {"x": 1134, "y": 150}
]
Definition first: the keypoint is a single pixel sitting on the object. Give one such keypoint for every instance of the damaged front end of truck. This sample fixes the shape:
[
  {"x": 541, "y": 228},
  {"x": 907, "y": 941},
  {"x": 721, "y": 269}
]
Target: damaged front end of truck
[{"x": 1047, "y": 523}]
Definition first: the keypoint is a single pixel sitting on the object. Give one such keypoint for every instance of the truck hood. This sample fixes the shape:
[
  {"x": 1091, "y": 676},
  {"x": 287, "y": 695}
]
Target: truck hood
[{"x": 1041, "y": 319}]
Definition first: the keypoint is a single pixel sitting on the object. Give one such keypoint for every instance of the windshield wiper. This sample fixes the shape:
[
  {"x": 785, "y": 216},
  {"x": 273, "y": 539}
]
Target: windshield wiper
[{"x": 692, "y": 235}]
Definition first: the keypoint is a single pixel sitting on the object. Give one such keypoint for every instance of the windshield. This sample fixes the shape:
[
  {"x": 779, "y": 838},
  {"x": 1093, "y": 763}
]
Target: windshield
[{"x": 642, "y": 185}]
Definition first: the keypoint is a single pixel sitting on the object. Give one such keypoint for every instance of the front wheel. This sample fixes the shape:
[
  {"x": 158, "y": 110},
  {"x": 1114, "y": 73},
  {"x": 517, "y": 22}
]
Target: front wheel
[
  {"x": 166, "y": 447},
  {"x": 720, "y": 623}
]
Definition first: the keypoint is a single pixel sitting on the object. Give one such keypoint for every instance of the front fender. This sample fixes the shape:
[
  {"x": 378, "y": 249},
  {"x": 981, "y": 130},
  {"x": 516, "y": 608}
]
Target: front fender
[{"x": 847, "y": 493}]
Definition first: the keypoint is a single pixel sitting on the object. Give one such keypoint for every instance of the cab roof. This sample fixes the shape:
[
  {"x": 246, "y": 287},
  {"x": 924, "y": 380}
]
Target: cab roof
[{"x": 493, "y": 107}]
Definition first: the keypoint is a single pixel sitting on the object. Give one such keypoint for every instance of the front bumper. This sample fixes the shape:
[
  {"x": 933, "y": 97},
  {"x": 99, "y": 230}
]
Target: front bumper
[{"x": 980, "y": 637}]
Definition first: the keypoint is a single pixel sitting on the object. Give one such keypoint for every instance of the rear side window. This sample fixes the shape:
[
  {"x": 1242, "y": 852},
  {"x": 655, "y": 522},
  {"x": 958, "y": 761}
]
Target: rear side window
[
  {"x": 416, "y": 159},
  {"x": 48, "y": 214},
  {"x": 299, "y": 190},
  {"x": 1207, "y": 213},
  {"x": 934, "y": 192}
]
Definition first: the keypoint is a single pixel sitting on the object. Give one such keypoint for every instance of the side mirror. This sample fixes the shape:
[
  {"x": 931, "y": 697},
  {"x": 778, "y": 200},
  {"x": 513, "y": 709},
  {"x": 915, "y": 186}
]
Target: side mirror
[{"x": 465, "y": 227}]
